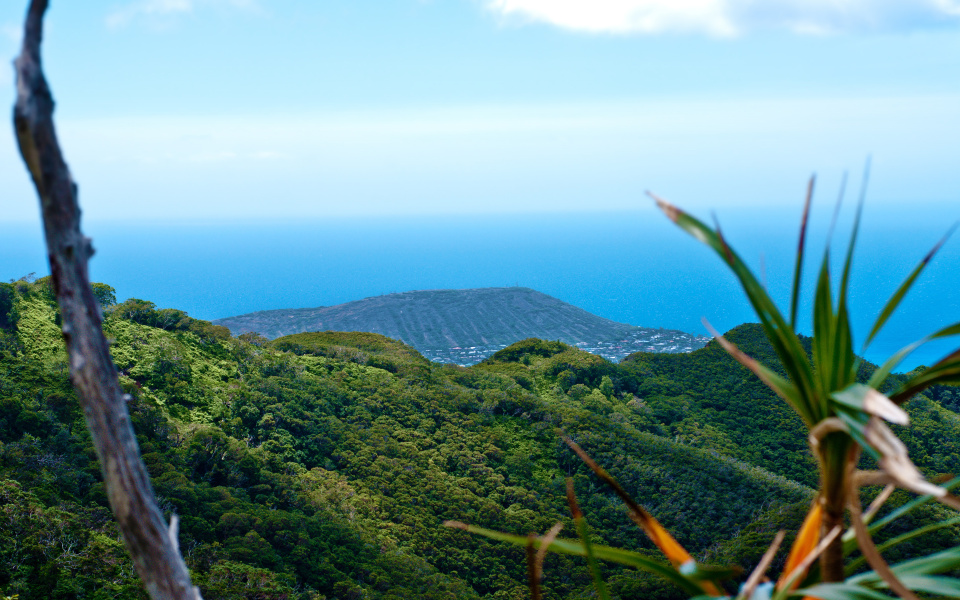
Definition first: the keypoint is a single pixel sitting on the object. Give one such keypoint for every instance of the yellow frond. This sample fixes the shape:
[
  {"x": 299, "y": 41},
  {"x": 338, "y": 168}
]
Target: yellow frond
[
  {"x": 806, "y": 541},
  {"x": 677, "y": 554},
  {"x": 666, "y": 542}
]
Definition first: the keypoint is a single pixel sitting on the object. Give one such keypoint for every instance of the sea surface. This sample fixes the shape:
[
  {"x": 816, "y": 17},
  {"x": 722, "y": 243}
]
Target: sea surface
[{"x": 634, "y": 267}]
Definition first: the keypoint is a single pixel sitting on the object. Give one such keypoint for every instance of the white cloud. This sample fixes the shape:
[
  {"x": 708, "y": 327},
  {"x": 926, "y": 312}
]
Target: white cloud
[
  {"x": 592, "y": 156},
  {"x": 622, "y": 16},
  {"x": 159, "y": 12},
  {"x": 149, "y": 9},
  {"x": 726, "y": 18}
]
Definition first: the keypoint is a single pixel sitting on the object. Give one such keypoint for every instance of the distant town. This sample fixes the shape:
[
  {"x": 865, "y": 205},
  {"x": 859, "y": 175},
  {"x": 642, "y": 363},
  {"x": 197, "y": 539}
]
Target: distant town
[{"x": 639, "y": 340}]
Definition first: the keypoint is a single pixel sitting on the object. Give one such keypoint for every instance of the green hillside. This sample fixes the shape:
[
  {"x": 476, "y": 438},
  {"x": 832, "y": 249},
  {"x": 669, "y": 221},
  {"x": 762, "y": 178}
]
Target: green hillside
[{"x": 323, "y": 464}]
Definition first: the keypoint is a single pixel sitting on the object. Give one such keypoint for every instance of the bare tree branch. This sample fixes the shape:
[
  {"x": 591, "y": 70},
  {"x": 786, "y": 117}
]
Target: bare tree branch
[{"x": 149, "y": 541}]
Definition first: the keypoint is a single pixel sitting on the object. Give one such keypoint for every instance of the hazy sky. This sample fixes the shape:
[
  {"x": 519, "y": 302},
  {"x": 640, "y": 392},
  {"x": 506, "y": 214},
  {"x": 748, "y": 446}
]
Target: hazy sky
[{"x": 192, "y": 109}]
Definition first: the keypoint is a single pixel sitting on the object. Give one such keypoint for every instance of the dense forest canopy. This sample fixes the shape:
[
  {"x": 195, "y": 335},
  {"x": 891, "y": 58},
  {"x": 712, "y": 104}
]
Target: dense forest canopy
[{"x": 323, "y": 464}]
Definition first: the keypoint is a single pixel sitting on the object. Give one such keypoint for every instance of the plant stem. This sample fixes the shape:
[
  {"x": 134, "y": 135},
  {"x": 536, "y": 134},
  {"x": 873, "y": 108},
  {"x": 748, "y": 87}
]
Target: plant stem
[{"x": 836, "y": 450}]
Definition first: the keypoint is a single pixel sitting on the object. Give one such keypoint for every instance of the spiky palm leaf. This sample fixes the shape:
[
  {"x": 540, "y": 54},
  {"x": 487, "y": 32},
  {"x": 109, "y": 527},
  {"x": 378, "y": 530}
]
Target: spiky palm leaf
[{"x": 843, "y": 416}]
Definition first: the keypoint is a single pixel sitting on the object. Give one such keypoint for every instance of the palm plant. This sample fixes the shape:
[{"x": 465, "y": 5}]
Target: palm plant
[{"x": 844, "y": 417}]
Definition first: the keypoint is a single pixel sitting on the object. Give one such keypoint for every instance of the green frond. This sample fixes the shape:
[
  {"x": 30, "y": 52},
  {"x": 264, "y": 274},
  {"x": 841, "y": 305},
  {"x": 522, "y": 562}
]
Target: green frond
[
  {"x": 857, "y": 563},
  {"x": 798, "y": 267},
  {"x": 782, "y": 337},
  {"x": 840, "y": 591},
  {"x": 616, "y": 555},
  {"x": 898, "y": 296},
  {"x": 946, "y": 370}
]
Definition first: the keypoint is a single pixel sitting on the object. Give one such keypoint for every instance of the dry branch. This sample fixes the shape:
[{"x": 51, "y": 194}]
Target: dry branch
[{"x": 151, "y": 544}]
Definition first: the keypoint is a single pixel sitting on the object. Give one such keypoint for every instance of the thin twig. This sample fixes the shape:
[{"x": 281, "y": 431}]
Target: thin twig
[
  {"x": 762, "y": 566},
  {"x": 878, "y": 502},
  {"x": 545, "y": 542}
]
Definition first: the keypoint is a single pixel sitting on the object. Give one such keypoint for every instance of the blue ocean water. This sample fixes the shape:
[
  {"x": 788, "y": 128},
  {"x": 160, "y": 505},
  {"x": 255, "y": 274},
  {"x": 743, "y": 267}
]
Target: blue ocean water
[{"x": 631, "y": 267}]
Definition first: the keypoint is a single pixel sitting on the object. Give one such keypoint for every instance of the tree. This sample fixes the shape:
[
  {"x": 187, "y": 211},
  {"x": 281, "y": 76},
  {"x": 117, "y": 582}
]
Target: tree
[
  {"x": 606, "y": 386},
  {"x": 150, "y": 542},
  {"x": 105, "y": 294}
]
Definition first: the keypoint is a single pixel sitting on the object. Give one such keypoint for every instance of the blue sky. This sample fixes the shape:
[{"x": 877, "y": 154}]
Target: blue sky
[{"x": 280, "y": 109}]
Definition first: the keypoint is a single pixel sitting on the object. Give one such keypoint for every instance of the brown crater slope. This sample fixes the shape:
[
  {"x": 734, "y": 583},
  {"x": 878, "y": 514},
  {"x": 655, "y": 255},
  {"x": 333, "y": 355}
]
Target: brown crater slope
[{"x": 443, "y": 319}]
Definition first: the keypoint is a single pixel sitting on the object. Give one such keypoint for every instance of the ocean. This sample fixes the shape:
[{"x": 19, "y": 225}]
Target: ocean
[{"x": 634, "y": 267}]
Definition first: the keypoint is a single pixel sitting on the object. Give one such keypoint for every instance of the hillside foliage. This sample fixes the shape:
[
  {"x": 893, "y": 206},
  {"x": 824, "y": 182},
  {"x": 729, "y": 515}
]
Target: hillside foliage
[{"x": 321, "y": 465}]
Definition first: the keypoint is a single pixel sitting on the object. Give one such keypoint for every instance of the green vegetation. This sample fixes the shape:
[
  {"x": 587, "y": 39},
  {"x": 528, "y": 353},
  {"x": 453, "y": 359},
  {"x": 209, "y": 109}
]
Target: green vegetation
[
  {"x": 843, "y": 404},
  {"x": 823, "y": 383},
  {"x": 323, "y": 465}
]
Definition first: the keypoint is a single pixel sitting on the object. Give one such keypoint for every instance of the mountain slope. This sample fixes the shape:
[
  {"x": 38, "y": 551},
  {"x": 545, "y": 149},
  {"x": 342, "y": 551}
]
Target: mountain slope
[
  {"x": 453, "y": 319},
  {"x": 323, "y": 464},
  {"x": 441, "y": 318}
]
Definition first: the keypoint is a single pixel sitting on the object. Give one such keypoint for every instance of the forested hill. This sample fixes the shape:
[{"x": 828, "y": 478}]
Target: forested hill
[
  {"x": 489, "y": 318},
  {"x": 322, "y": 465}
]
